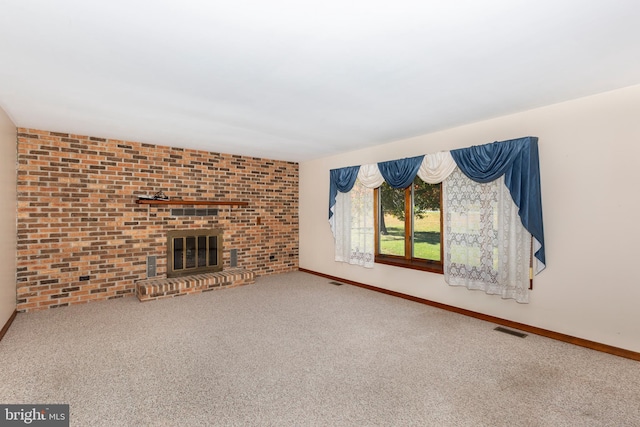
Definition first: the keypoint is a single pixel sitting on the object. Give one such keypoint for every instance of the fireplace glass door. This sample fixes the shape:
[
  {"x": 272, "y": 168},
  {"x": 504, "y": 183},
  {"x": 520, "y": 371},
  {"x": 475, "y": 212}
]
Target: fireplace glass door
[{"x": 193, "y": 252}]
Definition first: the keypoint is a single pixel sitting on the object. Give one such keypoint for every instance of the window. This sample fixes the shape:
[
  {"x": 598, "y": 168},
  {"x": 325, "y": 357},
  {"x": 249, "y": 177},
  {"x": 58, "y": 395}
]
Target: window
[{"x": 409, "y": 226}]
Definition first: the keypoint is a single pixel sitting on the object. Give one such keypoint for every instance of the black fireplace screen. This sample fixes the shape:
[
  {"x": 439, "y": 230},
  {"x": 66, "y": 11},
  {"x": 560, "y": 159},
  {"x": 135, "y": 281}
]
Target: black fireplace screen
[{"x": 193, "y": 252}]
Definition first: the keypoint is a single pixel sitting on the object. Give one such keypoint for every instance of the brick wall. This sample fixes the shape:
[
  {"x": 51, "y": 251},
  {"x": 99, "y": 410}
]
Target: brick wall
[{"x": 77, "y": 214}]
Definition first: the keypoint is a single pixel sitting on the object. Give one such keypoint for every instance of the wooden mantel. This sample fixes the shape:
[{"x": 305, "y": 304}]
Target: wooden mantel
[{"x": 192, "y": 202}]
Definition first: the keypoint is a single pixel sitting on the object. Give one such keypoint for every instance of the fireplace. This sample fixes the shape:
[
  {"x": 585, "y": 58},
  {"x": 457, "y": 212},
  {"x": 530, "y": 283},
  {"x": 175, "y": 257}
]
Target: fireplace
[{"x": 193, "y": 252}]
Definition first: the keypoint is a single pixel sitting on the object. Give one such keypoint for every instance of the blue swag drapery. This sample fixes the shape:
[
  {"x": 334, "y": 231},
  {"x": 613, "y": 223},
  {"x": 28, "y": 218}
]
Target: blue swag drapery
[
  {"x": 400, "y": 173},
  {"x": 517, "y": 159},
  {"x": 341, "y": 180}
]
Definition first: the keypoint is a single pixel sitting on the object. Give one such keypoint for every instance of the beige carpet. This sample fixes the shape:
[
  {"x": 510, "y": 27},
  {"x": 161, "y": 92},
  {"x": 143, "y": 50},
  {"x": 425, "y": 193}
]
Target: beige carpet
[{"x": 295, "y": 350}]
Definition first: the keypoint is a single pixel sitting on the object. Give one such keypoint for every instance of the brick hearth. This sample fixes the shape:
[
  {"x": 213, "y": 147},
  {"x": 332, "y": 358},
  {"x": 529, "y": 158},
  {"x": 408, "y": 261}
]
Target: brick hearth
[{"x": 152, "y": 289}]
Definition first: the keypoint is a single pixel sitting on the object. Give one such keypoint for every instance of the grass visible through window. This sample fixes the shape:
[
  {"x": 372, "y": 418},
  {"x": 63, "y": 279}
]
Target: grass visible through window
[{"x": 426, "y": 241}]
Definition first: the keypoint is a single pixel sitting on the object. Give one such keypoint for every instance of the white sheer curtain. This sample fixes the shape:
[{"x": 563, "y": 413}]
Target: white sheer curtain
[
  {"x": 353, "y": 226},
  {"x": 486, "y": 247}
]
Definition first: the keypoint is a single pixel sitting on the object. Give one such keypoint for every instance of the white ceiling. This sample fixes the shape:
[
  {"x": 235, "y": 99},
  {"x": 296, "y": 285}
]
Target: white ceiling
[{"x": 297, "y": 80}]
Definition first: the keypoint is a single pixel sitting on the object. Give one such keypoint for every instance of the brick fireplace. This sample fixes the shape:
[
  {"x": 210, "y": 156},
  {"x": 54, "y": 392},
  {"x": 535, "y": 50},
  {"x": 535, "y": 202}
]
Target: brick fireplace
[
  {"x": 194, "y": 265},
  {"x": 192, "y": 252},
  {"x": 82, "y": 236}
]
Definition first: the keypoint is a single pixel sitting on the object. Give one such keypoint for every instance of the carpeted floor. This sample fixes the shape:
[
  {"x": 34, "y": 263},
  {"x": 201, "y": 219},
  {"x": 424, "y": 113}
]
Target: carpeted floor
[{"x": 295, "y": 350}]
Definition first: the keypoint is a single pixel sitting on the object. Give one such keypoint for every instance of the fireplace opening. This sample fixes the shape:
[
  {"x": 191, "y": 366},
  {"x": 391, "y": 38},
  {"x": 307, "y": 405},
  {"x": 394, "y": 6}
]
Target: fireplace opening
[{"x": 193, "y": 252}]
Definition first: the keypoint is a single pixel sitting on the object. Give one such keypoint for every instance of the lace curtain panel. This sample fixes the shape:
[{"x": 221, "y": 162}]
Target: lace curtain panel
[
  {"x": 353, "y": 226},
  {"x": 486, "y": 247}
]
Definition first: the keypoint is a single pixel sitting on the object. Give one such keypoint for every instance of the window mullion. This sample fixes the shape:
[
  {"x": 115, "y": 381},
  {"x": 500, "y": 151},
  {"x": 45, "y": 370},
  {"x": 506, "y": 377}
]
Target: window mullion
[
  {"x": 408, "y": 223},
  {"x": 441, "y": 226},
  {"x": 376, "y": 219}
]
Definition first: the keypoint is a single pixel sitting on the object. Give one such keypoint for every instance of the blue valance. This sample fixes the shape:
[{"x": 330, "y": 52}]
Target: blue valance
[
  {"x": 341, "y": 180},
  {"x": 400, "y": 173},
  {"x": 517, "y": 160}
]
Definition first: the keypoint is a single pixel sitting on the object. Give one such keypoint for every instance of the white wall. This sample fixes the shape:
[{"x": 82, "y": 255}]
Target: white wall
[
  {"x": 7, "y": 218},
  {"x": 589, "y": 159}
]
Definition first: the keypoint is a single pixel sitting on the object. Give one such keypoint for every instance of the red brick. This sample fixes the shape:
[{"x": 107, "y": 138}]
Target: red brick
[{"x": 77, "y": 213}]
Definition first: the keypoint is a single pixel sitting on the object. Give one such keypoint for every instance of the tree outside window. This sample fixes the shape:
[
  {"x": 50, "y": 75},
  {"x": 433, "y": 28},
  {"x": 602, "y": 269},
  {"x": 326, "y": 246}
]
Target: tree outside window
[{"x": 409, "y": 224}]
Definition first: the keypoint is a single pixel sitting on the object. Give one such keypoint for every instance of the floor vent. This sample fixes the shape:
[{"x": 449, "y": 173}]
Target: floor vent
[
  {"x": 336, "y": 283},
  {"x": 510, "y": 332}
]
